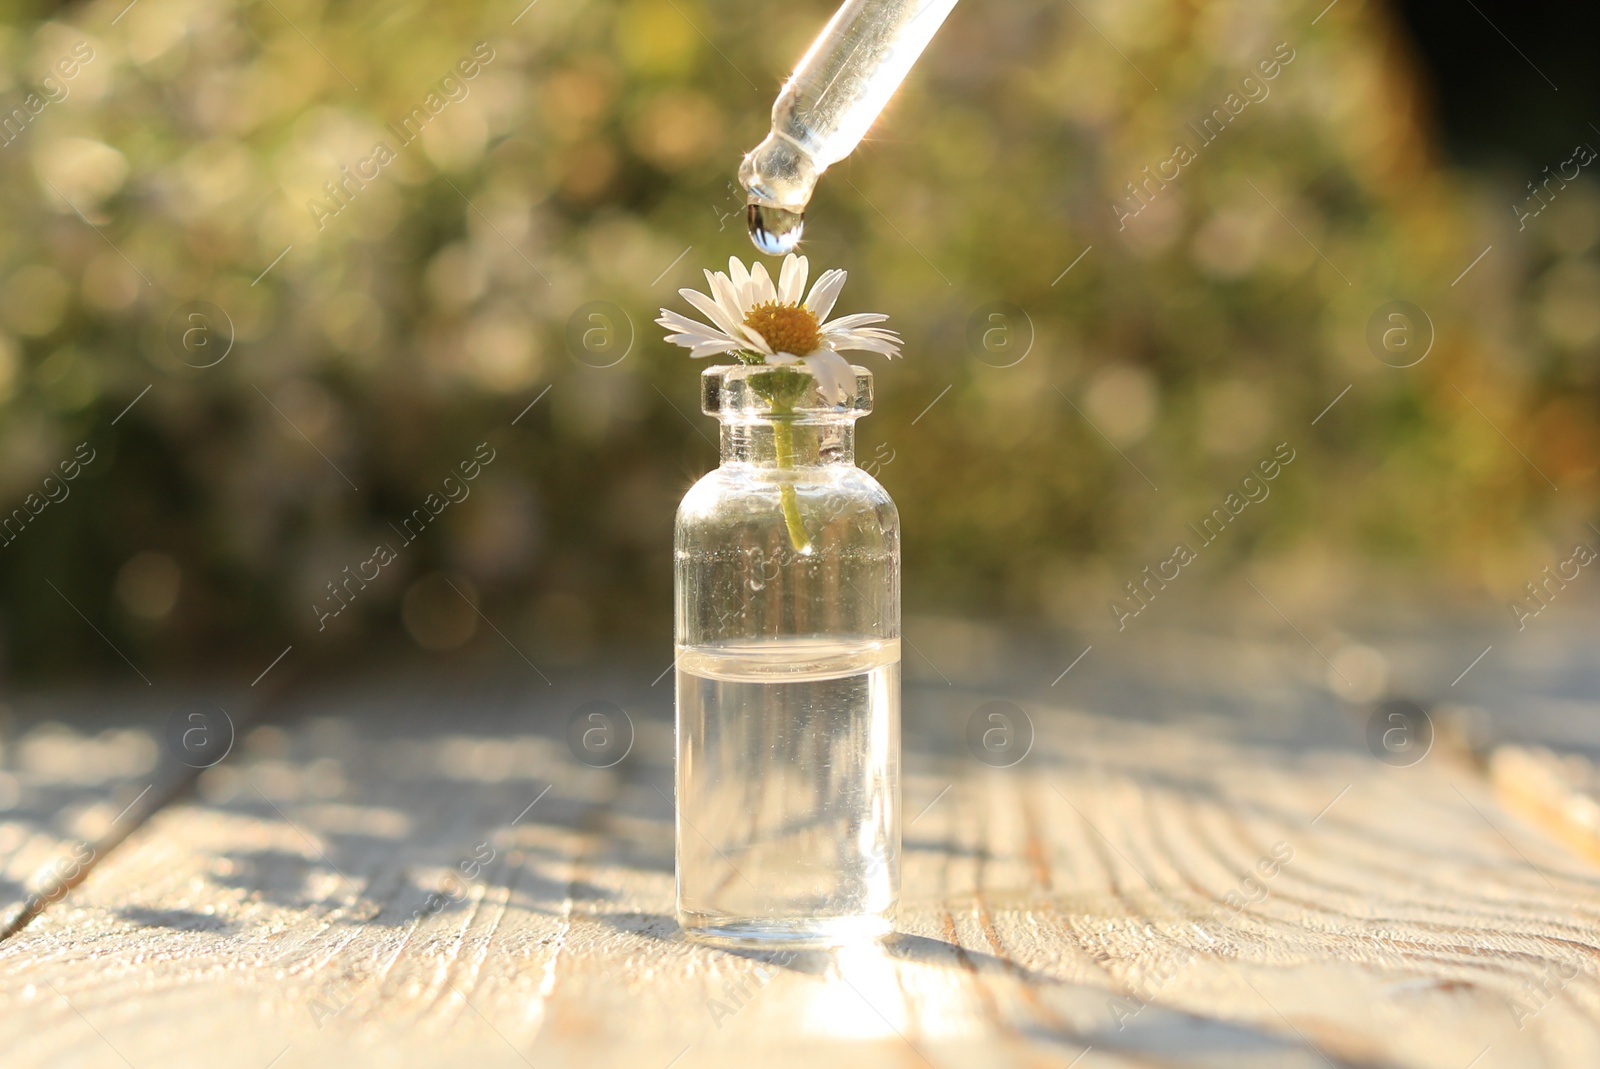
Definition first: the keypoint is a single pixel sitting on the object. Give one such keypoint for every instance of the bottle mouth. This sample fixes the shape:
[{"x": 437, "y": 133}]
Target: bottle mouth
[{"x": 783, "y": 391}]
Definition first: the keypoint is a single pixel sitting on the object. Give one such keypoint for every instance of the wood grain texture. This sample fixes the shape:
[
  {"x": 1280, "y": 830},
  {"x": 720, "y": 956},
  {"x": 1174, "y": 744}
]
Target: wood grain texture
[{"x": 1211, "y": 874}]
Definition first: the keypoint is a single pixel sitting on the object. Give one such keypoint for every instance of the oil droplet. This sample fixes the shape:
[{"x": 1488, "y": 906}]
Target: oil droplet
[{"x": 775, "y": 231}]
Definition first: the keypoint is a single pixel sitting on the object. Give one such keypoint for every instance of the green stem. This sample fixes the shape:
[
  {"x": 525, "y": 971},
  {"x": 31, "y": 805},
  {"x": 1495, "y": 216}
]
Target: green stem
[{"x": 783, "y": 443}]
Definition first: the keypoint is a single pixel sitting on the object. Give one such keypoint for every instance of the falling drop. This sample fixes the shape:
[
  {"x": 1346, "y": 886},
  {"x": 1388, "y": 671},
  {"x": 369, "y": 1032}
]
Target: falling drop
[{"x": 775, "y": 231}]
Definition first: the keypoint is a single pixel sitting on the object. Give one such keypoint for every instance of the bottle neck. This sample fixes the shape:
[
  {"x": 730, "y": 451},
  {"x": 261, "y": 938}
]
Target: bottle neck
[{"x": 789, "y": 443}]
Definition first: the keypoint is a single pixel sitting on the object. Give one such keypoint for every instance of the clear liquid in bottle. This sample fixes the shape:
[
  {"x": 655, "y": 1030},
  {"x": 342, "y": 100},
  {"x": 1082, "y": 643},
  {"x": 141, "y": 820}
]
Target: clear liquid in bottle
[{"x": 788, "y": 790}]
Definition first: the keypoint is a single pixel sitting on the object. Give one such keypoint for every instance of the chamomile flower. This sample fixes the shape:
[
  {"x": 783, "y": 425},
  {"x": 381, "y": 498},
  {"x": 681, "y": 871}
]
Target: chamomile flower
[{"x": 765, "y": 323}]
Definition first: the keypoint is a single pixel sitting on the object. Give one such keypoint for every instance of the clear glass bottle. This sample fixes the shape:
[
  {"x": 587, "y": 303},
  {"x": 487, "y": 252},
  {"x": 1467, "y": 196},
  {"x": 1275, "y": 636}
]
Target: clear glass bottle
[{"x": 788, "y": 668}]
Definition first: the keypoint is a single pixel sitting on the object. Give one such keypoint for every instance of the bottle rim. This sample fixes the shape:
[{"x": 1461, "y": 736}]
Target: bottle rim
[{"x": 737, "y": 392}]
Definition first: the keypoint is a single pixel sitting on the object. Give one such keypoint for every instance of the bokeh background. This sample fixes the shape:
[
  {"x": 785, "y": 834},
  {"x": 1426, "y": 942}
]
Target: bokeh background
[{"x": 344, "y": 363}]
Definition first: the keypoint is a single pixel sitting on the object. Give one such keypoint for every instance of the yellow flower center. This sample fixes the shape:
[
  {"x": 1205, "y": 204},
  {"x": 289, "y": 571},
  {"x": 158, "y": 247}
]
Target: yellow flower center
[{"x": 788, "y": 328}]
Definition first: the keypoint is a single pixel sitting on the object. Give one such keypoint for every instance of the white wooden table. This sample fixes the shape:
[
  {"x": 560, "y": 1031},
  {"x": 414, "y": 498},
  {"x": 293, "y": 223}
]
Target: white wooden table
[{"x": 1199, "y": 863}]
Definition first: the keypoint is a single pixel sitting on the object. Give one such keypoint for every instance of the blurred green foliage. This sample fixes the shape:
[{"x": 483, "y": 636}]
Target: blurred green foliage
[{"x": 379, "y": 334}]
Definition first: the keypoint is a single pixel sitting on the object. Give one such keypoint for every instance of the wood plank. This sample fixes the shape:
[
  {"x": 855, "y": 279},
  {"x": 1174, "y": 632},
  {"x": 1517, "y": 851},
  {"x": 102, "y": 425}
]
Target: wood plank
[{"x": 1173, "y": 876}]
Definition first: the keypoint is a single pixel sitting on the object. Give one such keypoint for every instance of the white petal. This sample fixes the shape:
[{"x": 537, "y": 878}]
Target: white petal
[
  {"x": 783, "y": 358},
  {"x": 869, "y": 332},
  {"x": 739, "y": 279},
  {"x": 754, "y": 340},
  {"x": 835, "y": 378},
  {"x": 709, "y": 308},
  {"x": 712, "y": 311},
  {"x": 676, "y": 321},
  {"x": 711, "y": 348},
  {"x": 723, "y": 292},
  {"x": 711, "y": 280},
  {"x": 673, "y": 318},
  {"x": 859, "y": 319},
  {"x": 695, "y": 341},
  {"x": 872, "y": 342},
  {"x": 761, "y": 285},
  {"x": 689, "y": 340},
  {"x": 792, "y": 279},
  {"x": 825, "y": 292}
]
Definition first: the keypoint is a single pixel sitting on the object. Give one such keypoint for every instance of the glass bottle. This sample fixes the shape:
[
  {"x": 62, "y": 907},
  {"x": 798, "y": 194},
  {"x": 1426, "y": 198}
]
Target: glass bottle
[{"x": 788, "y": 669}]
